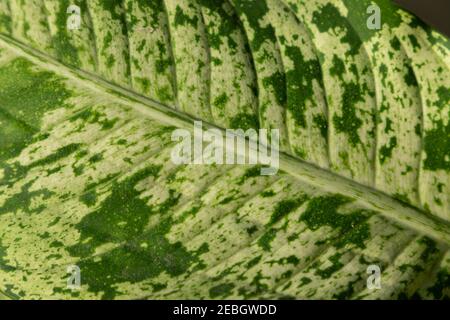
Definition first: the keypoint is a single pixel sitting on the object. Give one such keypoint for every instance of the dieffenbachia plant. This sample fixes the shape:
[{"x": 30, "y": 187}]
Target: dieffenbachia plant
[{"x": 86, "y": 179}]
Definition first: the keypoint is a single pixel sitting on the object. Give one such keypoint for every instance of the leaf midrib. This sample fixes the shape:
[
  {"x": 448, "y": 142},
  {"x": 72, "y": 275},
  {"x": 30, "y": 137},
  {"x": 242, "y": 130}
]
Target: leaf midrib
[{"x": 391, "y": 208}]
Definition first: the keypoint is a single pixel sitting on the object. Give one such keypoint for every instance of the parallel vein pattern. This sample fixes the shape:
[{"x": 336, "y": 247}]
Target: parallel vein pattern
[
  {"x": 86, "y": 176},
  {"x": 371, "y": 105}
]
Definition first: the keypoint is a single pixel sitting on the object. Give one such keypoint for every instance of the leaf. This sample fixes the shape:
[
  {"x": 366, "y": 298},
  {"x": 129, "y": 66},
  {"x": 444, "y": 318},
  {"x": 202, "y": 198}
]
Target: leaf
[{"x": 86, "y": 177}]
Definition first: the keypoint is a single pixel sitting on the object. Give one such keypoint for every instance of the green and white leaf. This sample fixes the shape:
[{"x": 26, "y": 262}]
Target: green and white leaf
[{"x": 86, "y": 179}]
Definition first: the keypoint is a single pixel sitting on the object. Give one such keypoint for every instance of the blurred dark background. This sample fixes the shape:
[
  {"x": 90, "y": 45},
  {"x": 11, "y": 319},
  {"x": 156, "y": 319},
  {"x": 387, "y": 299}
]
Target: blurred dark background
[{"x": 434, "y": 12}]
